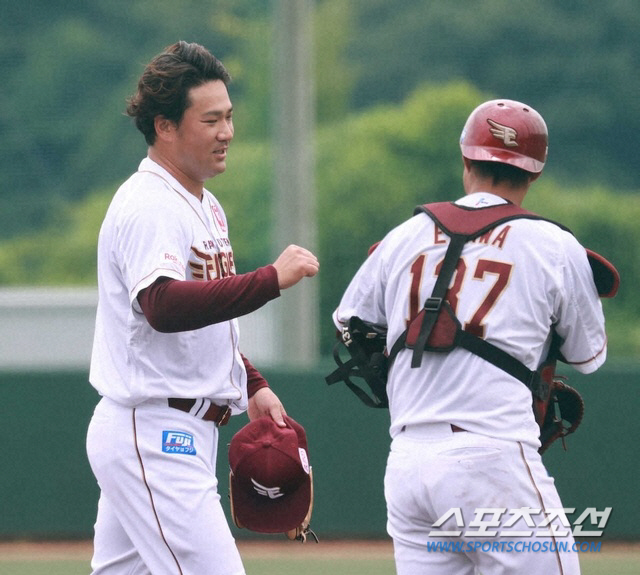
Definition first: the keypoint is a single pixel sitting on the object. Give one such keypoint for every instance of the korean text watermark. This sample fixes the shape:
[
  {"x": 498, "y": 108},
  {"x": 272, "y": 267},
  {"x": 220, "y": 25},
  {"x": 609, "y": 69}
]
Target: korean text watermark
[{"x": 530, "y": 522}]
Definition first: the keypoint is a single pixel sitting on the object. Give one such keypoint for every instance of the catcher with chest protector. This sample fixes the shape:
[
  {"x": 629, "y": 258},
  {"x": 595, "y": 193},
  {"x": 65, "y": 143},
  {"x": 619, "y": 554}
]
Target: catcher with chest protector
[{"x": 474, "y": 301}]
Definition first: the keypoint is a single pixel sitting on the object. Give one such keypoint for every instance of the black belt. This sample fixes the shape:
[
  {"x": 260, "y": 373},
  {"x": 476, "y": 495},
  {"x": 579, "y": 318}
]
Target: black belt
[
  {"x": 454, "y": 428},
  {"x": 219, "y": 414}
]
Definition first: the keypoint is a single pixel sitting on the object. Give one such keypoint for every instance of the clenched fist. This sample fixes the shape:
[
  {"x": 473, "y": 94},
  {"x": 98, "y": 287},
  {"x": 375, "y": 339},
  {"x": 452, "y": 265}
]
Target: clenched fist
[{"x": 293, "y": 264}]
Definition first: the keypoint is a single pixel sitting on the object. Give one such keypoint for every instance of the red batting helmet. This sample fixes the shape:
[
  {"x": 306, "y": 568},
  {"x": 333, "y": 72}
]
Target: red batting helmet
[{"x": 506, "y": 131}]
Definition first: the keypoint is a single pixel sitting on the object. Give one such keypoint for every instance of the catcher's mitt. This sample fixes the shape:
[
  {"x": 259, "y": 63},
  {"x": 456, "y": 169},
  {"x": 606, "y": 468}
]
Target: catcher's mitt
[{"x": 561, "y": 414}]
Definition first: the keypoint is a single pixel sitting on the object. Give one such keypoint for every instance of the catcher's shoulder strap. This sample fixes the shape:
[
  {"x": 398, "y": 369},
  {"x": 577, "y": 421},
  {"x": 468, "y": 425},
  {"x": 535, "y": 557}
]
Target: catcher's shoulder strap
[
  {"x": 455, "y": 219},
  {"x": 436, "y": 327},
  {"x": 474, "y": 222},
  {"x": 463, "y": 224}
]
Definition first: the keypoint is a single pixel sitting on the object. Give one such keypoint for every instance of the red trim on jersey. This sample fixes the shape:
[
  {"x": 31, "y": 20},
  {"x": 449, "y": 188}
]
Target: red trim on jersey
[
  {"x": 173, "y": 305},
  {"x": 592, "y": 358}
]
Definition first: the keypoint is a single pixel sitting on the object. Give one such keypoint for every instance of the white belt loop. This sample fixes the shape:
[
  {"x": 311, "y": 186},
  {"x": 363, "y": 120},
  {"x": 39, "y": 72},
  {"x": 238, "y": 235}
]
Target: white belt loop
[{"x": 200, "y": 407}]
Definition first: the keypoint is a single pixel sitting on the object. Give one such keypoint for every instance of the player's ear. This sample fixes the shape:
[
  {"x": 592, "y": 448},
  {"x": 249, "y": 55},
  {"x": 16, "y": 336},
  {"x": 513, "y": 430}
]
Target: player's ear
[{"x": 164, "y": 127}]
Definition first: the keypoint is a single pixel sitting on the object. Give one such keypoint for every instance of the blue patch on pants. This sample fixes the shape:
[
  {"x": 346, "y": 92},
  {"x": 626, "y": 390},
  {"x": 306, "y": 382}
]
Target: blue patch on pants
[{"x": 178, "y": 442}]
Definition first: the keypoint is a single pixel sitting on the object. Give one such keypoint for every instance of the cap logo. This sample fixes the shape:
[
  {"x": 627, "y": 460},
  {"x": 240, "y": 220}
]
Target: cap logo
[
  {"x": 304, "y": 460},
  {"x": 270, "y": 492},
  {"x": 505, "y": 133}
]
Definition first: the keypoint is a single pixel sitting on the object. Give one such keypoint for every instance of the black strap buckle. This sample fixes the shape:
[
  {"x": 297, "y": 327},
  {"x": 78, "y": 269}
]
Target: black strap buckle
[{"x": 433, "y": 304}]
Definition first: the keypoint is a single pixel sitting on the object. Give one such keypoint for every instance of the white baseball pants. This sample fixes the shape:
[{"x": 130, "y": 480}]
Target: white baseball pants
[
  {"x": 480, "y": 485},
  {"x": 159, "y": 511}
]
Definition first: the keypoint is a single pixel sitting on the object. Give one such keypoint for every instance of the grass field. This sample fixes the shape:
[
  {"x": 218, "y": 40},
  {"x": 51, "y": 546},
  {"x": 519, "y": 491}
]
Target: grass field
[{"x": 287, "y": 558}]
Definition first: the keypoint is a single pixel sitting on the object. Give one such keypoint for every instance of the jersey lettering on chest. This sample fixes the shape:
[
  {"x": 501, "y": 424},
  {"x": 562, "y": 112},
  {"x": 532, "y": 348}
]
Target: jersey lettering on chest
[
  {"x": 211, "y": 266},
  {"x": 211, "y": 257}
]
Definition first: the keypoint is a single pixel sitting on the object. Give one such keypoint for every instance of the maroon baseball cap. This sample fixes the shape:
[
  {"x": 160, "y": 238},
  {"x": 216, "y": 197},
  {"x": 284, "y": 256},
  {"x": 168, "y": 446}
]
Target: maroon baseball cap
[{"x": 270, "y": 480}]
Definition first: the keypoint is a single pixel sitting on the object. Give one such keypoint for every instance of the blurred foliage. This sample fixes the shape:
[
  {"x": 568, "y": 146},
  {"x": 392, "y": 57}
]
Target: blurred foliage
[
  {"x": 64, "y": 253},
  {"x": 394, "y": 82},
  {"x": 575, "y": 61},
  {"x": 373, "y": 168},
  {"x": 67, "y": 69},
  {"x": 68, "y": 65}
]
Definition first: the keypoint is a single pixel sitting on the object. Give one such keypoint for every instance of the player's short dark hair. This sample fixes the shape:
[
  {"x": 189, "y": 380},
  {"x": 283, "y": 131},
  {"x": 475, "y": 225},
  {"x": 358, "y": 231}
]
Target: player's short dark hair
[
  {"x": 163, "y": 88},
  {"x": 501, "y": 173}
]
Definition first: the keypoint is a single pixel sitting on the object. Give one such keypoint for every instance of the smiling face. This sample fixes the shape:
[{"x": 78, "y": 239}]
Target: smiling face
[{"x": 196, "y": 149}]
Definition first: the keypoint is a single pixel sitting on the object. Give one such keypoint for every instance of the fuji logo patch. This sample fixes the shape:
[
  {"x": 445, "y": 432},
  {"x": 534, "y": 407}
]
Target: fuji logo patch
[{"x": 178, "y": 442}]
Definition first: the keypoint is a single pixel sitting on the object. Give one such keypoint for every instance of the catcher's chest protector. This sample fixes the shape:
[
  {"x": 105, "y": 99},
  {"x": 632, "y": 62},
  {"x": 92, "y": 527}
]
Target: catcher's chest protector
[
  {"x": 436, "y": 327},
  {"x": 474, "y": 222}
]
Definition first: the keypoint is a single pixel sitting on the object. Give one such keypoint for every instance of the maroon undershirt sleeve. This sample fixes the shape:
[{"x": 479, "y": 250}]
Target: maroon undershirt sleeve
[
  {"x": 184, "y": 305},
  {"x": 255, "y": 381},
  {"x": 172, "y": 305}
]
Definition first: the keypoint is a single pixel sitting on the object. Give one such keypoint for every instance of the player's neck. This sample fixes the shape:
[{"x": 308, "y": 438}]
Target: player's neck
[
  {"x": 515, "y": 195},
  {"x": 193, "y": 187}
]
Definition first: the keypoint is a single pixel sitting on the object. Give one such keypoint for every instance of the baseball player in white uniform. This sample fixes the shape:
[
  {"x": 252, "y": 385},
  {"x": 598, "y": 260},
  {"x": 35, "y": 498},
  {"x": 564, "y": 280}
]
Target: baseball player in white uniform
[
  {"x": 464, "y": 466},
  {"x": 166, "y": 357}
]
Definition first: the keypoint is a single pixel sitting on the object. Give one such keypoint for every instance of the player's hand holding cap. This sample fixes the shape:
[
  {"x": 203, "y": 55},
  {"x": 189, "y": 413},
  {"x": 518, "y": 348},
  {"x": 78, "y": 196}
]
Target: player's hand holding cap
[{"x": 271, "y": 484}]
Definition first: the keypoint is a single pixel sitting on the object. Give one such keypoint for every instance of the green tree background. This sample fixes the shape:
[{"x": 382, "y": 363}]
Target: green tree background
[{"x": 394, "y": 84}]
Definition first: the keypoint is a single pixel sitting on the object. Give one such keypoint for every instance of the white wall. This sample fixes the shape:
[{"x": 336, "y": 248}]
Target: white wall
[{"x": 52, "y": 328}]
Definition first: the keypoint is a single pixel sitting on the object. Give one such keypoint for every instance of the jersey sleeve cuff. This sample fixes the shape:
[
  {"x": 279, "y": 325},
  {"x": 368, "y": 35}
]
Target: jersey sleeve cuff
[{"x": 150, "y": 279}]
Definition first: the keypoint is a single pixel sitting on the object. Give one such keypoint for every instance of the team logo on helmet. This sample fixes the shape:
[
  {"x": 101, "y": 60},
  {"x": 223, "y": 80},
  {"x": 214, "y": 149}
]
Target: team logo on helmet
[{"x": 505, "y": 133}]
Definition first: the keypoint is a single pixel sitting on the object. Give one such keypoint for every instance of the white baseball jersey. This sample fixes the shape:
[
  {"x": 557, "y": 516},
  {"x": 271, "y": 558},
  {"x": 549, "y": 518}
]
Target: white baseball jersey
[
  {"x": 154, "y": 227},
  {"x": 514, "y": 284}
]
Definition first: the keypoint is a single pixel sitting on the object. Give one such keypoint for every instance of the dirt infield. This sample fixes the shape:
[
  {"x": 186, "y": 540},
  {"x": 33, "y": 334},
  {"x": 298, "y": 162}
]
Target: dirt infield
[
  {"x": 81, "y": 550},
  {"x": 45, "y": 551}
]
